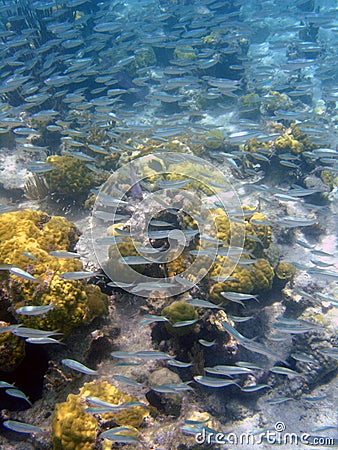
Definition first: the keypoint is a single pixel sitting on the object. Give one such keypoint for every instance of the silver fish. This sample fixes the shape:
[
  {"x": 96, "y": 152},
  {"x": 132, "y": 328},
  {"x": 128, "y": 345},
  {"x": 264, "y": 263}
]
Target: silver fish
[
  {"x": 23, "y": 274},
  {"x": 179, "y": 364},
  {"x": 4, "y": 384},
  {"x": 251, "y": 345},
  {"x": 283, "y": 371},
  {"x": 21, "y": 427},
  {"x": 184, "y": 323},
  {"x": 64, "y": 254},
  {"x": 18, "y": 394},
  {"x": 199, "y": 303},
  {"x": 255, "y": 387},
  {"x": 213, "y": 381},
  {"x": 43, "y": 340},
  {"x": 75, "y": 365},
  {"x": 78, "y": 275},
  {"x": 34, "y": 310},
  {"x": 227, "y": 370}
]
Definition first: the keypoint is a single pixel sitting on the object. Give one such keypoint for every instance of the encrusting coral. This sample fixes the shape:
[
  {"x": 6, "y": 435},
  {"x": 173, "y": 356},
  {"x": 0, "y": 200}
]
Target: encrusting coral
[
  {"x": 179, "y": 311},
  {"x": 75, "y": 429},
  {"x": 26, "y": 238},
  {"x": 12, "y": 350},
  {"x": 71, "y": 177}
]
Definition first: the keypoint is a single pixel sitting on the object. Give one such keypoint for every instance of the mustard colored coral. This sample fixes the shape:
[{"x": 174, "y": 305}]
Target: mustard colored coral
[
  {"x": 257, "y": 277},
  {"x": 12, "y": 350},
  {"x": 37, "y": 233},
  {"x": 257, "y": 234},
  {"x": 251, "y": 278},
  {"x": 75, "y": 429},
  {"x": 179, "y": 311},
  {"x": 293, "y": 140},
  {"x": 71, "y": 176}
]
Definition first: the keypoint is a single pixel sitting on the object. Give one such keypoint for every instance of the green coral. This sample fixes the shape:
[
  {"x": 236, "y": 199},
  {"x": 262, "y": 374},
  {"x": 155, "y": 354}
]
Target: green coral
[
  {"x": 179, "y": 311},
  {"x": 12, "y": 350},
  {"x": 285, "y": 270},
  {"x": 37, "y": 233},
  {"x": 71, "y": 178},
  {"x": 275, "y": 101},
  {"x": 145, "y": 57},
  {"x": 75, "y": 429},
  {"x": 185, "y": 52},
  {"x": 329, "y": 178},
  {"x": 250, "y": 104},
  {"x": 214, "y": 140}
]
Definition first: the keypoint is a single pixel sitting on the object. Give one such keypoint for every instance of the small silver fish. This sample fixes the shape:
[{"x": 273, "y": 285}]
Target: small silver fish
[
  {"x": 302, "y": 357},
  {"x": 120, "y": 438},
  {"x": 199, "y": 303},
  {"x": 30, "y": 255},
  {"x": 127, "y": 380},
  {"x": 64, "y": 254},
  {"x": 78, "y": 275},
  {"x": 34, "y": 310},
  {"x": 21, "y": 427},
  {"x": 284, "y": 371},
  {"x": 4, "y": 384},
  {"x": 277, "y": 400},
  {"x": 184, "y": 323},
  {"x": 207, "y": 343},
  {"x": 227, "y": 370},
  {"x": 152, "y": 354},
  {"x": 150, "y": 318},
  {"x": 18, "y": 394},
  {"x": 75, "y": 365},
  {"x": 179, "y": 364},
  {"x": 213, "y": 381},
  {"x": 43, "y": 340},
  {"x": 255, "y": 387},
  {"x": 23, "y": 274}
]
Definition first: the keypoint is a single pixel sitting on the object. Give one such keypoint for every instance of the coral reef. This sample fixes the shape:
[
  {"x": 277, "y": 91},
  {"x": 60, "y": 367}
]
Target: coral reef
[
  {"x": 275, "y": 100},
  {"x": 12, "y": 350},
  {"x": 257, "y": 278},
  {"x": 294, "y": 141},
  {"x": 75, "y": 429},
  {"x": 71, "y": 178},
  {"x": 285, "y": 270},
  {"x": 179, "y": 311},
  {"x": 257, "y": 235},
  {"x": 26, "y": 238}
]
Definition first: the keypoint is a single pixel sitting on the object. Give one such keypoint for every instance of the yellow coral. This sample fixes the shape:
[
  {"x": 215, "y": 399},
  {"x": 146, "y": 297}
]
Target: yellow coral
[
  {"x": 37, "y": 233},
  {"x": 287, "y": 143},
  {"x": 253, "y": 230},
  {"x": 294, "y": 141},
  {"x": 257, "y": 278},
  {"x": 75, "y": 429},
  {"x": 12, "y": 350}
]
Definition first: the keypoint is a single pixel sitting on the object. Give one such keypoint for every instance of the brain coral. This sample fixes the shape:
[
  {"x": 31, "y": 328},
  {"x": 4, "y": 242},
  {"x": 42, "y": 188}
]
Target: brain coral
[
  {"x": 75, "y": 429},
  {"x": 36, "y": 234}
]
